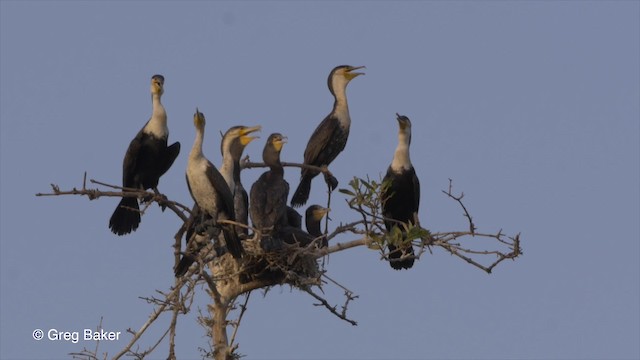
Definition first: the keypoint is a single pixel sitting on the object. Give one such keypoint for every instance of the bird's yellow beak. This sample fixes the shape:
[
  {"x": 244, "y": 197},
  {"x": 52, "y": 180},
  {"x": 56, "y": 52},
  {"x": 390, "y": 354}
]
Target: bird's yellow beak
[
  {"x": 403, "y": 121},
  {"x": 350, "y": 74},
  {"x": 244, "y": 138},
  {"x": 318, "y": 214},
  {"x": 279, "y": 143},
  {"x": 198, "y": 119}
]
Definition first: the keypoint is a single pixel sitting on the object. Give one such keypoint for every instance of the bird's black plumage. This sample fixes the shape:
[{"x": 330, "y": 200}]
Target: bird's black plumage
[
  {"x": 330, "y": 137},
  {"x": 295, "y": 235},
  {"x": 401, "y": 199},
  {"x": 210, "y": 191},
  {"x": 147, "y": 158},
  {"x": 268, "y": 200}
]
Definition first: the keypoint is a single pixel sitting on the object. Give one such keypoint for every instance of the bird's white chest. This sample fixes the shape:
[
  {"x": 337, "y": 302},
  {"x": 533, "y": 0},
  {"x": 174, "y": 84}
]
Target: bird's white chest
[
  {"x": 401, "y": 160},
  {"x": 342, "y": 114},
  {"x": 202, "y": 191}
]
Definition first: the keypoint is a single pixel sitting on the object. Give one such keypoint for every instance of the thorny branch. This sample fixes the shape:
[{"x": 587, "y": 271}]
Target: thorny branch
[
  {"x": 333, "y": 309},
  {"x": 294, "y": 265},
  {"x": 148, "y": 196}
]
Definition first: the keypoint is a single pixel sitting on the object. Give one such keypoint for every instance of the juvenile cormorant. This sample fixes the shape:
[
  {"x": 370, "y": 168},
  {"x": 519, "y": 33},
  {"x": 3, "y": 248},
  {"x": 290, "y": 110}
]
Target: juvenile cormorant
[
  {"x": 330, "y": 137},
  {"x": 402, "y": 196},
  {"x": 233, "y": 143},
  {"x": 291, "y": 234},
  {"x": 268, "y": 201},
  {"x": 211, "y": 193},
  {"x": 148, "y": 157},
  {"x": 313, "y": 216}
]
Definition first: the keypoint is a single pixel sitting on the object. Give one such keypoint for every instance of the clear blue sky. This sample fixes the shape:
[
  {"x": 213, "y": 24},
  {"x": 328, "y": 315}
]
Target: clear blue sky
[{"x": 531, "y": 107}]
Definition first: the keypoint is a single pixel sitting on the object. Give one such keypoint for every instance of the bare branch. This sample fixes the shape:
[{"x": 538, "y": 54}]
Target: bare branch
[
  {"x": 149, "y": 196},
  {"x": 342, "y": 315},
  {"x": 449, "y": 193}
]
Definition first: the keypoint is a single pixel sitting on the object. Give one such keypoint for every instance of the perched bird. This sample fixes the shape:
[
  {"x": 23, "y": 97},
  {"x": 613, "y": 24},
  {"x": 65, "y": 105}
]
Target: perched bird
[
  {"x": 211, "y": 193},
  {"x": 147, "y": 159},
  {"x": 268, "y": 201},
  {"x": 401, "y": 199},
  {"x": 294, "y": 235},
  {"x": 313, "y": 216},
  {"x": 233, "y": 143},
  {"x": 330, "y": 137}
]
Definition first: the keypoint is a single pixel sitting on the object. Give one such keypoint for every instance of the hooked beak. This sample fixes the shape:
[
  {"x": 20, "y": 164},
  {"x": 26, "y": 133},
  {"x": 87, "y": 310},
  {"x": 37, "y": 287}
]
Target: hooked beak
[
  {"x": 320, "y": 213},
  {"x": 353, "y": 74},
  {"x": 244, "y": 138},
  {"x": 403, "y": 121}
]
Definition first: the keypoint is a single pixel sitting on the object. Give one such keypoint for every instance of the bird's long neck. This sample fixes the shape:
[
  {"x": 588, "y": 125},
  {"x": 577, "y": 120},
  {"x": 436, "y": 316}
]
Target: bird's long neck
[
  {"x": 313, "y": 228},
  {"x": 228, "y": 169},
  {"x": 196, "y": 150},
  {"x": 340, "y": 105},
  {"x": 157, "y": 125},
  {"x": 401, "y": 158},
  {"x": 276, "y": 166}
]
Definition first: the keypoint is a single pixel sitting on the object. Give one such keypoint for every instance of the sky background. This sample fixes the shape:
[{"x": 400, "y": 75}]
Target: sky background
[{"x": 531, "y": 107}]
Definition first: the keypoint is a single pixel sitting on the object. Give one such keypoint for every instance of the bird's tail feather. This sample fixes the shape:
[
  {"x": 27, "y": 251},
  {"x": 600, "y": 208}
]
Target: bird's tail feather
[
  {"x": 126, "y": 216},
  {"x": 396, "y": 253},
  {"x": 232, "y": 241},
  {"x": 301, "y": 195},
  {"x": 184, "y": 265}
]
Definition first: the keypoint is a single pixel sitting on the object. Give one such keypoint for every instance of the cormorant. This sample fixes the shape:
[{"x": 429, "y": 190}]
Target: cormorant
[
  {"x": 401, "y": 199},
  {"x": 232, "y": 146},
  {"x": 147, "y": 159},
  {"x": 268, "y": 201},
  {"x": 292, "y": 234},
  {"x": 330, "y": 137},
  {"x": 313, "y": 216},
  {"x": 211, "y": 193}
]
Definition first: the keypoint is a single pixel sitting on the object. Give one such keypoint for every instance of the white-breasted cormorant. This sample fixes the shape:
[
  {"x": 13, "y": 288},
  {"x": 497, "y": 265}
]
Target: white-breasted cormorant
[
  {"x": 401, "y": 199},
  {"x": 233, "y": 143},
  {"x": 147, "y": 159},
  {"x": 330, "y": 137},
  {"x": 209, "y": 189}
]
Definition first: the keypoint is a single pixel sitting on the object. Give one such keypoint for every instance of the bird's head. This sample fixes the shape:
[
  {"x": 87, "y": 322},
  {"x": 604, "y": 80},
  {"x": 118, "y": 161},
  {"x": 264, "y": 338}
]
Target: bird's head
[
  {"x": 157, "y": 84},
  {"x": 237, "y": 137},
  {"x": 316, "y": 212},
  {"x": 405, "y": 128},
  {"x": 198, "y": 120},
  {"x": 277, "y": 141},
  {"x": 403, "y": 122},
  {"x": 341, "y": 75},
  {"x": 271, "y": 152}
]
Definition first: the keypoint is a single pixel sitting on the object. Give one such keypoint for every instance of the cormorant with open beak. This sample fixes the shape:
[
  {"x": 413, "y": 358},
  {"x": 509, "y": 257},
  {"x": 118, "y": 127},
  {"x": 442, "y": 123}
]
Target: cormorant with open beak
[
  {"x": 233, "y": 143},
  {"x": 330, "y": 137}
]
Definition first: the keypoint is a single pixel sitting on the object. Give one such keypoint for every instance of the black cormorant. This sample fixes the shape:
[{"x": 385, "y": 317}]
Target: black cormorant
[
  {"x": 211, "y": 193},
  {"x": 313, "y": 216},
  {"x": 268, "y": 201},
  {"x": 148, "y": 157},
  {"x": 232, "y": 146},
  {"x": 401, "y": 199},
  {"x": 330, "y": 137},
  {"x": 295, "y": 235}
]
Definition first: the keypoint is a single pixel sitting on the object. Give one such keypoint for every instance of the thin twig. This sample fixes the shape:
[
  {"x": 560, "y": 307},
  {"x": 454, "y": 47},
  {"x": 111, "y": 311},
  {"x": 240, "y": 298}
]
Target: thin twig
[{"x": 332, "y": 309}]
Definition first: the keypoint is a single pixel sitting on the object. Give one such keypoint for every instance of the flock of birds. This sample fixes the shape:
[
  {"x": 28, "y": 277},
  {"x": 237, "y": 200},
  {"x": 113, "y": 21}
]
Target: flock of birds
[{"x": 219, "y": 194}]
